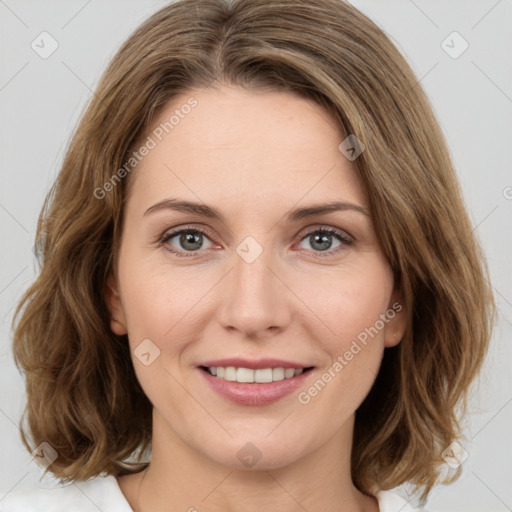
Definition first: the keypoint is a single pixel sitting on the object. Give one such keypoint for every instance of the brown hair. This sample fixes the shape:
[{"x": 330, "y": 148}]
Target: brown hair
[{"x": 83, "y": 396}]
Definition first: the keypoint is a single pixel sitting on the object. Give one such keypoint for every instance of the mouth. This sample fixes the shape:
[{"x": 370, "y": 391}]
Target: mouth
[
  {"x": 254, "y": 376},
  {"x": 254, "y": 383}
]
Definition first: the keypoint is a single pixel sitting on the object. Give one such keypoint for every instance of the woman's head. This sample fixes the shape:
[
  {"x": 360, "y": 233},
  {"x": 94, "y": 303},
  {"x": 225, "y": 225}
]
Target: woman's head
[
  {"x": 257, "y": 109},
  {"x": 257, "y": 282}
]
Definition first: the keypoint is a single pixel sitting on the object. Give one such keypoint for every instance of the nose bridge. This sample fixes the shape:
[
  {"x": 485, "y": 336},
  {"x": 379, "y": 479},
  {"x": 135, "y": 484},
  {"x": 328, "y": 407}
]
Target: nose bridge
[
  {"x": 255, "y": 299},
  {"x": 251, "y": 264}
]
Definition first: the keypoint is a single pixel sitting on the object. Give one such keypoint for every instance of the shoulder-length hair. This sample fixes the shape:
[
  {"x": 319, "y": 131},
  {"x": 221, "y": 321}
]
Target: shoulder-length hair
[{"x": 83, "y": 396}]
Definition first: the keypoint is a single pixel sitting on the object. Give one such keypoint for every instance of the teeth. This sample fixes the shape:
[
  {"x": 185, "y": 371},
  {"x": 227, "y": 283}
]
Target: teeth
[
  {"x": 262, "y": 376},
  {"x": 289, "y": 372},
  {"x": 245, "y": 375},
  {"x": 278, "y": 374},
  {"x": 230, "y": 373}
]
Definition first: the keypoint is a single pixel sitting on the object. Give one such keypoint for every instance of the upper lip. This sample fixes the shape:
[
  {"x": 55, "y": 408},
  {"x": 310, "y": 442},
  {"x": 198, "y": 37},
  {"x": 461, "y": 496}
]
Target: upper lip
[{"x": 254, "y": 364}]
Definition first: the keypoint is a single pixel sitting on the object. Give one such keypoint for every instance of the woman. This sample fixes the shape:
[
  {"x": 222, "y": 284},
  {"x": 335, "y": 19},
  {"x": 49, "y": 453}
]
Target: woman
[{"x": 257, "y": 269}]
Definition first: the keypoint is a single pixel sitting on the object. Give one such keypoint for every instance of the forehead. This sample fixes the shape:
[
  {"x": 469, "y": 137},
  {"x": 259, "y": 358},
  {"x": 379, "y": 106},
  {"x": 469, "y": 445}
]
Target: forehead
[{"x": 230, "y": 145}]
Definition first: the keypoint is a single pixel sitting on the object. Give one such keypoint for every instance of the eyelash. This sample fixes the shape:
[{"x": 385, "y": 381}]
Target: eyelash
[{"x": 340, "y": 235}]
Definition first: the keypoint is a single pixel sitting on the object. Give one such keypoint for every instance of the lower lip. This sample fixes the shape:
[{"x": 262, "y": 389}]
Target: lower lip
[{"x": 255, "y": 394}]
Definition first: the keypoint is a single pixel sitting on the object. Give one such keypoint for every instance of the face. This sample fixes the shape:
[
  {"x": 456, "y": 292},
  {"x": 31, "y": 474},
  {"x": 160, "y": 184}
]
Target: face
[{"x": 251, "y": 278}]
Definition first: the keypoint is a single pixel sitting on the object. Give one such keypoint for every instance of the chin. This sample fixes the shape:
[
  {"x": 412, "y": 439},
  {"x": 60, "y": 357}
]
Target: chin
[{"x": 259, "y": 452}]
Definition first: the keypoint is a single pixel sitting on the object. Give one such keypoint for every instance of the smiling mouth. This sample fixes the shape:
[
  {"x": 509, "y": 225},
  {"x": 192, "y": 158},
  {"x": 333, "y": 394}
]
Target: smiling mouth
[{"x": 259, "y": 376}]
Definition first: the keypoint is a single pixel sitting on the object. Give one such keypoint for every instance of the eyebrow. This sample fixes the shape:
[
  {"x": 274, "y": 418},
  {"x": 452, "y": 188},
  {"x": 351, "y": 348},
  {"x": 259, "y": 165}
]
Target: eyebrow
[{"x": 297, "y": 214}]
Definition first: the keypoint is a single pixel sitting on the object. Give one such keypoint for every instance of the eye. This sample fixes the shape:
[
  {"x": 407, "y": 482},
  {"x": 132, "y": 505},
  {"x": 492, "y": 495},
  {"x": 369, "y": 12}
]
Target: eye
[
  {"x": 188, "y": 240},
  {"x": 321, "y": 240}
]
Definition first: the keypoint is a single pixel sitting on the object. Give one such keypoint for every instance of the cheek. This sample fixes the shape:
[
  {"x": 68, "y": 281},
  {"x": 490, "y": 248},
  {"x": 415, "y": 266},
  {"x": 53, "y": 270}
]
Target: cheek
[
  {"x": 162, "y": 301},
  {"x": 352, "y": 310},
  {"x": 350, "y": 301},
  {"x": 158, "y": 302}
]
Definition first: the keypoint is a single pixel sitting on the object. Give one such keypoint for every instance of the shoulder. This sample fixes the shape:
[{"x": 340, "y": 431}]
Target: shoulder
[
  {"x": 98, "y": 493},
  {"x": 391, "y": 502}
]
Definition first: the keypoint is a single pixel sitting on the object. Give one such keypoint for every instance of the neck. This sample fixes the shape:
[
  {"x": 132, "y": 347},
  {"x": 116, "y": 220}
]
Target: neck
[{"x": 180, "y": 478}]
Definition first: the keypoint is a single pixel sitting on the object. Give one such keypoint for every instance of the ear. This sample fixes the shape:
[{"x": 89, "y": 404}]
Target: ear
[
  {"x": 396, "y": 315},
  {"x": 113, "y": 301}
]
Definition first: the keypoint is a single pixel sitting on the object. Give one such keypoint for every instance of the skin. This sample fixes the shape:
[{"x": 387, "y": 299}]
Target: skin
[{"x": 254, "y": 156}]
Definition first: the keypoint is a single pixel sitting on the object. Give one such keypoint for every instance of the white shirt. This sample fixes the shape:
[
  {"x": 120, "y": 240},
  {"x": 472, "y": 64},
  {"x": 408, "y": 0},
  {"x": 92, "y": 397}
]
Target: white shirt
[{"x": 103, "y": 493}]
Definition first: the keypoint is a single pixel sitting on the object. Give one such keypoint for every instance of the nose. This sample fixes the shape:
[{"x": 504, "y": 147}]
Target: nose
[{"x": 255, "y": 298}]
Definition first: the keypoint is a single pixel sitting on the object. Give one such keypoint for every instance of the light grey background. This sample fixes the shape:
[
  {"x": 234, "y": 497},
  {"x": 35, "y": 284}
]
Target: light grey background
[{"x": 41, "y": 101}]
